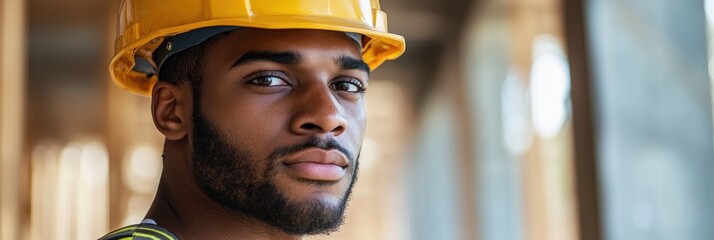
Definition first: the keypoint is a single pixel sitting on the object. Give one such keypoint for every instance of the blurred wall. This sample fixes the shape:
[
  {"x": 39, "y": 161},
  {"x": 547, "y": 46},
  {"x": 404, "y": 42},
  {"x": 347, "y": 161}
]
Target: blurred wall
[{"x": 653, "y": 92}]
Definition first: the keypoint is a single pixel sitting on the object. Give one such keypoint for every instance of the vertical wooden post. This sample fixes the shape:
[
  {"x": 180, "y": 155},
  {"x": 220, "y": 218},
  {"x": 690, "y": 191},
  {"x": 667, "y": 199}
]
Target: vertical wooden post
[
  {"x": 467, "y": 155},
  {"x": 12, "y": 96},
  {"x": 586, "y": 167}
]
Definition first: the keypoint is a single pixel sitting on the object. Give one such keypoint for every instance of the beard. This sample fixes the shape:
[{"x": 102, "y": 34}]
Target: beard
[{"x": 236, "y": 179}]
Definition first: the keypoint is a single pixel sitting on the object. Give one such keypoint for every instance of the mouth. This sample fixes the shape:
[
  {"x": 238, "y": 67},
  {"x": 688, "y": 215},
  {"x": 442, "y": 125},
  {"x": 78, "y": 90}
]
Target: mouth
[{"x": 317, "y": 164}]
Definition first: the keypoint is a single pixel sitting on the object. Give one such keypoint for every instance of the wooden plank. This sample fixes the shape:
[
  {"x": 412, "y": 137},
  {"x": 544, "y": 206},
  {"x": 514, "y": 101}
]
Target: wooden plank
[
  {"x": 586, "y": 167},
  {"x": 12, "y": 89}
]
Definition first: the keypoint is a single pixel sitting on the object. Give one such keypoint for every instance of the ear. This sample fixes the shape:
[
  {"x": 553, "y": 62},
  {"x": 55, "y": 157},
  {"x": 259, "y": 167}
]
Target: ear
[{"x": 170, "y": 109}]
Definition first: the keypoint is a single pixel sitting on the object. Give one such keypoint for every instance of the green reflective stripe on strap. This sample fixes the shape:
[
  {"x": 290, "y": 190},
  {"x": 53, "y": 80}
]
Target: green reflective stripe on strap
[
  {"x": 121, "y": 233},
  {"x": 140, "y": 231},
  {"x": 149, "y": 236},
  {"x": 163, "y": 232}
]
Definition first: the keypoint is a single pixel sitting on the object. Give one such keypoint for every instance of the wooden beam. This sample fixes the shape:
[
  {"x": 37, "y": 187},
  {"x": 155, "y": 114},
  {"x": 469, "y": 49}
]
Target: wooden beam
[
  {"x": 586, "y": 167},
  {"x": 12, "y": 96},
  {"x": 467, "y": 156}
]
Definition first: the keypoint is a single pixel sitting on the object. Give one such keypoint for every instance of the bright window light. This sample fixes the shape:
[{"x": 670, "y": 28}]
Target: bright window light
[
  {"x": 143, "y": 169},
  {"x": 517, "y": 133},
  {"x": 550, "y": 86}
]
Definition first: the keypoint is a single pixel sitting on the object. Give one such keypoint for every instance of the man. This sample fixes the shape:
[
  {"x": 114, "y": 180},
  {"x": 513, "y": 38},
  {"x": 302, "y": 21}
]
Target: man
[{"x": 262, "y": 107}]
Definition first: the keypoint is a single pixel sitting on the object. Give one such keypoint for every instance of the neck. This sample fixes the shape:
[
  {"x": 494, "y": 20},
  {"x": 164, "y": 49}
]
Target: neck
[{"x": 182, "y": 208}]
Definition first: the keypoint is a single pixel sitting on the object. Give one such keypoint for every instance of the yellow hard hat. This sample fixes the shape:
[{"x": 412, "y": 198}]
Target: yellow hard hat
[{"x": 145, "y": 24}]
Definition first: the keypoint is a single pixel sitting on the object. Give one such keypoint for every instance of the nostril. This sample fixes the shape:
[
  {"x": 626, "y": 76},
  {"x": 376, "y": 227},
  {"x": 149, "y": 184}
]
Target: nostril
[
  {"x": 338, "y": 129},
  {"x": 317, "y": 128},
  {"x": 311, "y": 126}
]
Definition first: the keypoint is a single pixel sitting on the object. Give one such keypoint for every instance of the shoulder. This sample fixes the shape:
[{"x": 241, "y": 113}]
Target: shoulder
[{"x": 140, "y": 231}]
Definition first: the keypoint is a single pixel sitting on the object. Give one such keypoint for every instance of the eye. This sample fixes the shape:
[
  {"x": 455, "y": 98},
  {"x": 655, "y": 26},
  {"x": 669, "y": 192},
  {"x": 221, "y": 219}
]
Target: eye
[
  {"x": 268, "y": 80},
  {"x": 347, "y": 84}
]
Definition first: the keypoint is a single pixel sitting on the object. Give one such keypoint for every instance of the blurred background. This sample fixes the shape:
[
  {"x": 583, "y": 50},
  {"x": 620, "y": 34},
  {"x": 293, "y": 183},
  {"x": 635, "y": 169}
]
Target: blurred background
[{"x": 504, "y": 120}]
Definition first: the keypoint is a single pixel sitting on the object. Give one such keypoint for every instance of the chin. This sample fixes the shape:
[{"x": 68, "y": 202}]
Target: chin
[
  {"x": 327, "y": 199},
  {"x": 330, "y": 194}
]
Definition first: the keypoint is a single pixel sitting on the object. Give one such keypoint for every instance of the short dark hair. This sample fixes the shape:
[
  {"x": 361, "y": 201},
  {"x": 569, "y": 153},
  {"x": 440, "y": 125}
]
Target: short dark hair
[{"x": 187, "y": 66}]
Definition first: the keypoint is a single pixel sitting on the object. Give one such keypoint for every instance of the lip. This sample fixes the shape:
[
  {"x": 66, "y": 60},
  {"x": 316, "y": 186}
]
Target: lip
[{"x": 317, "y": 164}]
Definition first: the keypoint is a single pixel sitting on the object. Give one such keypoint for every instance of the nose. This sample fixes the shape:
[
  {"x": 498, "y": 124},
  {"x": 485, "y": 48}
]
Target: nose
[{"x": 318, "y": 113}]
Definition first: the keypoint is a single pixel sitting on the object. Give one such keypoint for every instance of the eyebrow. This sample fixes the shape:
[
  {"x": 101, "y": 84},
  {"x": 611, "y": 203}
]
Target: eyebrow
[
  {"x": 350, "y": 63},
  {"x": 287, "y": 58},
  {"x": 293, "y": 58}
]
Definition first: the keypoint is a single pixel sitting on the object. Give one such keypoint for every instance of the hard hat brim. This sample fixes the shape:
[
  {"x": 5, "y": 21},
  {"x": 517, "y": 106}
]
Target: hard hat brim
[{"x": 379, "y": 45}]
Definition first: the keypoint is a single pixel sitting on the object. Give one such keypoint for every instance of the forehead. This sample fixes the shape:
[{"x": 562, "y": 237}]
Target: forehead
[{"x": 304, "y": 41}]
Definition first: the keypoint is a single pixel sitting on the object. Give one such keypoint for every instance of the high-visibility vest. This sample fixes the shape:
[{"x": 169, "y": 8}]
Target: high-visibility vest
[{"x": 144, "y": 231}]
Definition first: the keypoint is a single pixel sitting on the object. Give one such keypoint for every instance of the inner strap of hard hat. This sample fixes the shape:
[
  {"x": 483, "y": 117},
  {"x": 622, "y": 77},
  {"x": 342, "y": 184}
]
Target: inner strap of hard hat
[
  {"x": 181, "y": 42},
  {"x": 355, "y": 36}
]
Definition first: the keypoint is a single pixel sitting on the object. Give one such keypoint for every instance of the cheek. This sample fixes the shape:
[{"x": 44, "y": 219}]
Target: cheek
[
  {"x": 361, "y": 121},
  {"x": 357, "y": 119},
  {"x": 254, "y": 124}
]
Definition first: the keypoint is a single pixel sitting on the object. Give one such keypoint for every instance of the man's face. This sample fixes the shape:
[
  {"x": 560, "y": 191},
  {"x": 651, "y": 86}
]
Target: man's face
[{"x": 278, "y": 124}]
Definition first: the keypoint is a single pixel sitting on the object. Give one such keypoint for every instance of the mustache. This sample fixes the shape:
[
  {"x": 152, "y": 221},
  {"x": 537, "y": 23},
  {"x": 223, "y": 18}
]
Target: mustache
[{"x": 315, "y": 142}]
